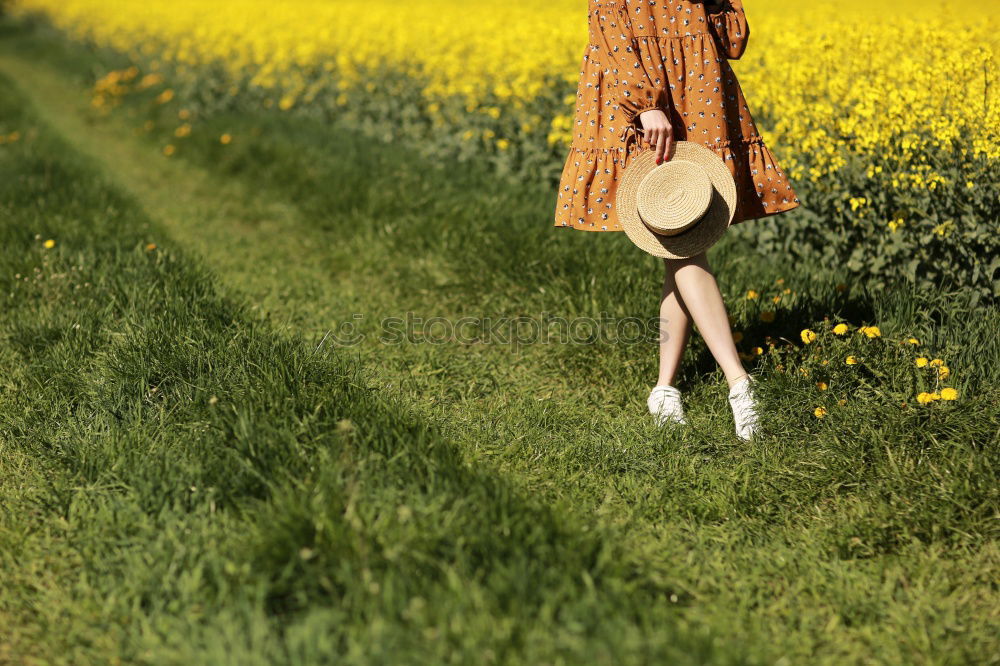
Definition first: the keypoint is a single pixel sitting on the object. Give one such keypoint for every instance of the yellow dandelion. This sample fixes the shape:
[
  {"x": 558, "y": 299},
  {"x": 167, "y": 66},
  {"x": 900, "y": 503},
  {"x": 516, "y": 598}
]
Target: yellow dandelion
[
  {"x": 169, "y": 150},
  {"x": 767, "y": 315},
  {"x": 949, "y": 394},
  {"x": 943, "y": 372},
  {"x": 820, "y": 412},
  {"x": 840, "y": 329},
  {"x": 807, "y": 335},
  {"x": 751, "y": 294},
  {"x": 804, "y": 371},
  {"x": 183, "y": 131},
  {"x": 183, "y": 114},
  {"x": 825, "y": 361},
  {"x": 921, "y": 362},
  {"x": 822, "y": 386},
  {"x": 503, "y": 144},
  {"x": 49, "y": 244},
  {"x": 913, "y": 341},
  {"x": 777, "y": 298},
  {"x": 850, "y": 360},
  {"x": 779, "y": 281},
  {"x": 150, "y": 247},
  {"x": 872, "y": 331},
  {"x": 165, "y": 96},
  {"x": 924, "y": 397},
  {"x": 936, "y": 362},
  {"x": 757, "y": 351},
  {"x": 226, "y": 139},
  {"x": 286, "y": 103}
]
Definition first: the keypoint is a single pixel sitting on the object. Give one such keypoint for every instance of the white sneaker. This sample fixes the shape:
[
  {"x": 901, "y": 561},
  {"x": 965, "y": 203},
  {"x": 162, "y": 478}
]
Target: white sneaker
[
  {"x": 664, "y": 403},
  {"x": 744, "y": 404}
]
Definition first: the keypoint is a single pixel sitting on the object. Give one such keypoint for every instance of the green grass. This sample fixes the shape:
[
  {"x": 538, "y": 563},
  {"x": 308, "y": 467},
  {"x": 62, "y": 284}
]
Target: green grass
[{"x": 190, "y": 475}]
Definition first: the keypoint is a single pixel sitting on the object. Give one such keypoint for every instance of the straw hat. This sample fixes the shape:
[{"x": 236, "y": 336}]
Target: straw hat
[{"x": 679, "y": 208}]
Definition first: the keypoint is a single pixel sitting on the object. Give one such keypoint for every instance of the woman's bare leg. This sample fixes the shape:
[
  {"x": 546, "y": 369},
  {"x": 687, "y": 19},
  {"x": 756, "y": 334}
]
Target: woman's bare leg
[
  {"x": 674, "y": 327},
  {"x": 703, "y": 302}
]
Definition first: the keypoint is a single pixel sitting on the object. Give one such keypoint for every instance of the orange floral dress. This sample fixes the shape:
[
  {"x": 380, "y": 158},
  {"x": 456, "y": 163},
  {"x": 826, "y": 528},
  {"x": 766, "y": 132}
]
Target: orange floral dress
[{"x": 674, "y": 56}]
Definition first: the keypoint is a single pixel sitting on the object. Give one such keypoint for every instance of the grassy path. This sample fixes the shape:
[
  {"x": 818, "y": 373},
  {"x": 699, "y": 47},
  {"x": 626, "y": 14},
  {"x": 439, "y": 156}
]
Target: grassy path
[{"x": 859, "y": 537}]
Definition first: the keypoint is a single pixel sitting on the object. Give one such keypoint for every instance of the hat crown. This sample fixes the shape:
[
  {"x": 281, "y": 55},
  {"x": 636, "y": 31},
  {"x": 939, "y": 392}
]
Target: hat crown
[{"x": 673, "y": 196}]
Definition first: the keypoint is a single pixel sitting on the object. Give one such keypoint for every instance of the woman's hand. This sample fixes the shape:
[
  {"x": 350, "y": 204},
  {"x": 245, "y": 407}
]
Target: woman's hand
[{"x": 658, "y": 134}]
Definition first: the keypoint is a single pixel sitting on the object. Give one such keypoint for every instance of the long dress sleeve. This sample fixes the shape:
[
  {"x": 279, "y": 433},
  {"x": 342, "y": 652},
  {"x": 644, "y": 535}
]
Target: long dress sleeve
[
  {"x": 641, "y": 85},
  {"x": 730, "y": 28}
]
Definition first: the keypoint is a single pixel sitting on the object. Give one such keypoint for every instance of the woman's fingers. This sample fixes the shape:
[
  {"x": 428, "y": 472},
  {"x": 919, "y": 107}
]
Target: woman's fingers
[
  {"x": 664, "y": 144},
  {"x": 658, "y": 134}
]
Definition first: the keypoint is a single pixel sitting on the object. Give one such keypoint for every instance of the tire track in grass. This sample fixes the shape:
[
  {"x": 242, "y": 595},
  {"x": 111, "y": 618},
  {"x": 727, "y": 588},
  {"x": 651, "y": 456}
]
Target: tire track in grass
[{"x": 203, "y": 488}]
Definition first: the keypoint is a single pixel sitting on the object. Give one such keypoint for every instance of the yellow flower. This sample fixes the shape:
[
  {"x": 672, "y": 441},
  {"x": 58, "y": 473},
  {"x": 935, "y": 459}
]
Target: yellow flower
[
  {"x": 767, "y": 315},
  {"x": 924, "y": 397},
  {"x": 757, "y": 351},
  {"x": 850, "y": 360},
  {"x": 165, "y": 96},
  {"x": 776, "y": 298},
  {"x": 183, "y": 131},
  {"x": 49, "y": 244},
  {"x": 822, "y": 386},
  {"x": 226, "y": 139},
  {"x": 943, "y": 372},
  {"x": 872, "y": 331},
  {"x": 840, "y": 329},
  {"x": 804, "y": 371},
  {"x": 779, "y": 280},
  {"x": 936, "y": 362},
  {"x": 168, "y": 150},
  {"x": 921, "y": 361},
  {"x": 751, "y": 294},
  {"x": 150, "y": 247},
  {"x": 183, "y": 114},
  {"x": 824, "y": 361},
  {"x": 820, "y": 412},
  {"x": 807, "y": 335},
  {"x": 913, "y": 341},
  {"x": 949, "y": 394},
  {"x": 503, "y": 144}
]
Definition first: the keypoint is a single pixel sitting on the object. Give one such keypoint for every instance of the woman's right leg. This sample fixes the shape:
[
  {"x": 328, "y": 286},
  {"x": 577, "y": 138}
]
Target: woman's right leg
[{"x": 674, "y": 328}]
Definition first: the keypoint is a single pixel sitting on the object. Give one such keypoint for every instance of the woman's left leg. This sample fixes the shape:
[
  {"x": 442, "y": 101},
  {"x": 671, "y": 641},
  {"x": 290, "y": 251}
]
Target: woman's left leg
[{"x": 703, "y": 301}]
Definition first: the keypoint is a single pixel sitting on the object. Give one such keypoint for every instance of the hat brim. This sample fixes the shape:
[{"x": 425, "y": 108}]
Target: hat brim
[{"x": 700, "y": 236}]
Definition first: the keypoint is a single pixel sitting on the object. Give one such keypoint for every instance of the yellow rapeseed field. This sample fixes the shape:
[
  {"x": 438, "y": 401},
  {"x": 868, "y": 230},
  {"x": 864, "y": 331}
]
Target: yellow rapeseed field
[{"x": 860, "y": 75}]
